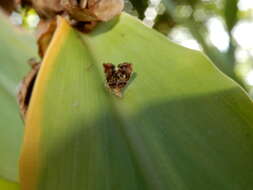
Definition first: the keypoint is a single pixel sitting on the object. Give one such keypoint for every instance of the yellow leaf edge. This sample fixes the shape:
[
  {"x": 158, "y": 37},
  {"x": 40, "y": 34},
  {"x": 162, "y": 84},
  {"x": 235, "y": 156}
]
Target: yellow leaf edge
[{"x": 29, "y": 160}]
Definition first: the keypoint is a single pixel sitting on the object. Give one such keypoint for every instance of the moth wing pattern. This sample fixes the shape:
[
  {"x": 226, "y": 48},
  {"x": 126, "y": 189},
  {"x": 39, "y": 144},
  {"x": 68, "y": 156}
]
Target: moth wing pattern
[
  {"x": 125, "y": 69},
  {"x": 109, "y": 70},
  {"x": 117, "y": 79}
]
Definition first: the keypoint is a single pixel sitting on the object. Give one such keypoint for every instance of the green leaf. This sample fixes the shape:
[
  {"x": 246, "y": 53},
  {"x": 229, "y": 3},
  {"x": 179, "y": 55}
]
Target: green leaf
[
  {"x": 140, "y": 6},
  {"x": 7, "y": 185},
  {"x": 230, "y": 12},
  {"x": 181, "y": 123},
  {"x": 15, "y": 49}
]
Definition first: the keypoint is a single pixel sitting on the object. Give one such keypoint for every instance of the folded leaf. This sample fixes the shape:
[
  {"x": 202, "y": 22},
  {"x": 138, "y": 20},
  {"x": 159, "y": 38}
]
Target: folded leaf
[{"x": 180, "y": 124}]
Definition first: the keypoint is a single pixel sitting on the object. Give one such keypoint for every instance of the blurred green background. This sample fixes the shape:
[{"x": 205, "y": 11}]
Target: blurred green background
[{"x": 221, "y": 28}]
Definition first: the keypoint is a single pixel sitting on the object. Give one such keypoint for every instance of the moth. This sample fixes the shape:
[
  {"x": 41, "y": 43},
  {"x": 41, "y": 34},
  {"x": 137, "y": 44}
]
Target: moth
[{"x": 117, "y": 78}]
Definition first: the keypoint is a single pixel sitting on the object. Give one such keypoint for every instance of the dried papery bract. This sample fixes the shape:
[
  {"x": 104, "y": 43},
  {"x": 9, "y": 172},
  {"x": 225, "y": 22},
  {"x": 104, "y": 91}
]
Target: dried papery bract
[
  {"x": 7, "y": 5},
  {"x": 45, "y": 8},
  {"x": 45, "y": 31},
  {"x": 26, "y": 87},
  {"x": 78, "y": 13},
  {"x": 83, "y": 3},
  {"x": 93, "y": 10},
  {"x": 105, "y": 10},
  {"x": 80, "y": 10}
]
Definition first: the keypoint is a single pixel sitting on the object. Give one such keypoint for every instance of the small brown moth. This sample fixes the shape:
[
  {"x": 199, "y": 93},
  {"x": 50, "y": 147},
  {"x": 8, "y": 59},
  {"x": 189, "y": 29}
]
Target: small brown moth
[{"x": 117, "y": 79}]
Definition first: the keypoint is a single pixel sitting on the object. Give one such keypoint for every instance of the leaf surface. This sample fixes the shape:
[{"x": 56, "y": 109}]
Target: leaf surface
[
  {"x": 181, "y": 123},
  {"x": 7, "y": 185}
]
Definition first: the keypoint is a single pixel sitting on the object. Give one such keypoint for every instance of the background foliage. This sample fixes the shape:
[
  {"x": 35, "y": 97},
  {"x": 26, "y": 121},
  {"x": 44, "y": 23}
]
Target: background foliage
[{"x": 220, "y": 28}]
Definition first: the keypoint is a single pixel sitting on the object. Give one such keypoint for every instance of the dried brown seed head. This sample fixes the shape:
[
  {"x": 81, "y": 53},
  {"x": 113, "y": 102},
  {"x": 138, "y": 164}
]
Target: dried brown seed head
[{"x": 81, "y": 10}]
